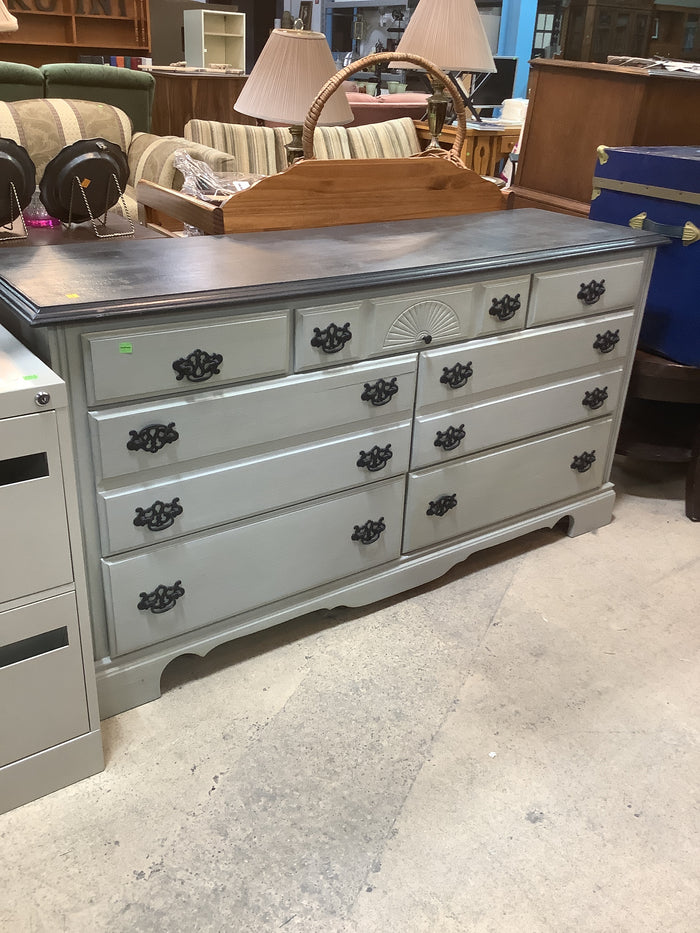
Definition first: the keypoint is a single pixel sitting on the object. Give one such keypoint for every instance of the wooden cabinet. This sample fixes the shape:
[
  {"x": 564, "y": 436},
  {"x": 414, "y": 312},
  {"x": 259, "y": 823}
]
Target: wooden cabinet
[
  {"x": 61, "y": 30},
  {"x": 262, "y": 435},
  {"x": 576, "y": 107},
  {"x": 182, "y": 96},
  {"x": 214, "y": 38}
]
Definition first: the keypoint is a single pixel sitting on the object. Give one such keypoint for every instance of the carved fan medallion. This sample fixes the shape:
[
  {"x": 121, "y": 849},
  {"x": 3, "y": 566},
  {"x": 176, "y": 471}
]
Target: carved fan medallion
[{"x": 426, "y": 320}]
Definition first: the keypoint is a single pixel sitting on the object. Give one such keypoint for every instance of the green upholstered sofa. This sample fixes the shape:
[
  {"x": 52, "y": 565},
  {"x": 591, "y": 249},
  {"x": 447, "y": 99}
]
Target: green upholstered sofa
[
  {"x": 45, "y": 126},
  {"x": 131, "y": 91},
  {"x": 20, "y": 82},
  {"x": 260, "y": 149}
]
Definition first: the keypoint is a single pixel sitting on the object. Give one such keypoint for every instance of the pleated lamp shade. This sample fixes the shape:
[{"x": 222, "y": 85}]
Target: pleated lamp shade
[
  {"x": 8, "y": 22},
  {"x": 450, "y": 34},
  {"x": 290, "y": 71}
]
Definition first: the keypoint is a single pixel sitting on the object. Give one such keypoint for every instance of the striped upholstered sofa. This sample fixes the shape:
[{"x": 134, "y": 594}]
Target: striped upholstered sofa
[
  {"x": 45, "y": 126},
  {"x": 260, "y": 149}
]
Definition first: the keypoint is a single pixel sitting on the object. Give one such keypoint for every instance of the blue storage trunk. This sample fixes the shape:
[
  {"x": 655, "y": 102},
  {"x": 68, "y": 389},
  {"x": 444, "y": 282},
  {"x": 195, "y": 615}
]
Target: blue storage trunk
[{"x": 658, "y": 188}]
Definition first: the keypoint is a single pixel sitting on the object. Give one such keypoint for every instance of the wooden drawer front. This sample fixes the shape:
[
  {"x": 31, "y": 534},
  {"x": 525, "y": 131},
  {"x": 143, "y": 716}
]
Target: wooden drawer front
[
  {"x": 374, "y": 393},
  {"x": 502, "y": 305},
  {"x": 486, "y": 366},
  {"x": 470, "y": 494},
  {"x": 42, "y": 684},
  {"x": 330, "y": 335},
  {"x": 34, "y": 547},
  {"x": 555, "y": 295},
  {"x": 231, "y": 491},
  {"x": 246, "y": 565},
  {"x": 384, "y": 325},
  {"x": 170, "y": 359},
  {"x": 447, "y": 436}
]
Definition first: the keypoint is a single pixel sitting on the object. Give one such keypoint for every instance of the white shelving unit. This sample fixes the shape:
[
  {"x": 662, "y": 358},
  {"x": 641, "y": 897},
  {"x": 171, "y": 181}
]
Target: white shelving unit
[{"x": 213, "y": 38}]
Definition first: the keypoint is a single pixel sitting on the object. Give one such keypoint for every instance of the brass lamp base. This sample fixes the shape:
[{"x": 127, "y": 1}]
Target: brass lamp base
[
  {"x": 294, "y": 147},
  {"x": 437, "y": 111}
]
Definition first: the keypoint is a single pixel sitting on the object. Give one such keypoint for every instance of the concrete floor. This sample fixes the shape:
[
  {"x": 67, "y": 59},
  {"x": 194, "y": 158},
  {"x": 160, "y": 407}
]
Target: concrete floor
[{"x": 512, "y": 748}]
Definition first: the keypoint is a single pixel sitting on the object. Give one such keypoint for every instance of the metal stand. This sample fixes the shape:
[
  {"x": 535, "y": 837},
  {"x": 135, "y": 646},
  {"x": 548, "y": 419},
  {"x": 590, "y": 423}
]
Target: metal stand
[
  {"x": 103, "y": 219},
  {"x": 11, "y": 225}
]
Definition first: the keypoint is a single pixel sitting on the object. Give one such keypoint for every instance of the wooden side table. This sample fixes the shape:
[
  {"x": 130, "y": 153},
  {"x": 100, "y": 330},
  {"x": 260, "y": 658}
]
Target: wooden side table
[
  {"x": 483, "y": 148},
  {"x": 661, "y": 420}
]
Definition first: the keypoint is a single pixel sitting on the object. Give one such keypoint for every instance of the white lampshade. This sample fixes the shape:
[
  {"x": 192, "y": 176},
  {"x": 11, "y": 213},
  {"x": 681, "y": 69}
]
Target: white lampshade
[
  {"x": 8, "y": 23},
  {"x": 290, "y": 71},
  {"x": 450, "y": 34}
]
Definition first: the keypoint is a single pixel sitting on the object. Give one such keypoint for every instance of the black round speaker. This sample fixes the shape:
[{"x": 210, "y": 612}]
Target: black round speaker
[
  {"x": 16, "y": 168},
  {"x": 93, "y": 162}
]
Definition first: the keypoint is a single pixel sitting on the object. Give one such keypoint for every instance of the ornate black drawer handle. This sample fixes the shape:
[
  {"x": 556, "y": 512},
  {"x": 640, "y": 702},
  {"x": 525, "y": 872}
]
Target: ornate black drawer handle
[
  {"x": 162, "y": 598},
  {"x": 584, "y": 461},
  {"x": 369, "y": 532},
  {"x": 376, "y": 458},
  {"x": 504, "y": 308},
  {"x": 153, "y": 437},
  {"x": 451, "y": 438},
  {"x": 380, "y": 392},
  {"x": 591, "y": 293},
  {"x": 606, "y": 342},
  {"x": 159, "y": 516},
  {"x": 332, "y": 339},
  {"x": 595, "y": 398},
  {"x": 458, "y": 376},
  {"x": 442, "y": 505},
  {"x": 198, "y": 366}
]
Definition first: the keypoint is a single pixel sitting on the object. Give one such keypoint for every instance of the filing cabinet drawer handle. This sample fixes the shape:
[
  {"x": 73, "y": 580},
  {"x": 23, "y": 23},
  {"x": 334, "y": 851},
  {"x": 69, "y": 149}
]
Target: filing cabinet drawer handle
[
  {"x": 369, "y": 532},
  {"x": 153, "y": 437},
  {"x": 591, "y": 292},
  {"x": 451, "y": 438},
  {"x": 375, "y": 459},
  {"x": 607, "y": 341},
  {"x": 331, "y": 339},
  {"x": 595, "y": 398},
  {"x": 198, "y": 366},
  {"x": 504, "y": 308},
  {"x": 162, "y": 599},
  {"x": 380, "y": 392},
  {"x": 583, "y": 462},
  {"x": 442, "y": 505},
  {"x": 458, "y": 376},
  {"x": 159, "y": 516}
]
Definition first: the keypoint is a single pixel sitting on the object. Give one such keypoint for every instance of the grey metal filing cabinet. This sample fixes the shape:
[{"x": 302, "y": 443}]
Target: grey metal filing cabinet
[{"x": 49, "y": 729}]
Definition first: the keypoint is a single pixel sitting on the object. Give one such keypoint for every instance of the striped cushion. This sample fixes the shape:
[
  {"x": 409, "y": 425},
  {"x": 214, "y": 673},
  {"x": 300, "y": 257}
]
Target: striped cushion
[
  {"x": 44, "y": 126},
  {"x": 257, "y": 149},
  {"x": 151, "y": 158},
  {"x": 393, "y": 139},
  {"x": 261, "y": 149}
]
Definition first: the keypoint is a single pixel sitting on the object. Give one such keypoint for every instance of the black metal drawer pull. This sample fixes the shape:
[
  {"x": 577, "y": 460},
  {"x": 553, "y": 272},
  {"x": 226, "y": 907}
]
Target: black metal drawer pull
[
  {"x": 595, "y": 398},
  {"x": 591, "y": 293},
  {"x": 451, "y": 438},
  {"x": 332, "y": 339},
  {"x": 442, "y": 505},
  {"x": 162, "y": 599},
  {"x": 380, "y": 392},
  {"x": 607, "y": 341},
  {"x": 584, "y": 461},
  {"x": 159, "y": 516},
  {"x": 458, "y": 376},
  {"x": 376, "y": 458},
  {"x": 153, "y": 437},
  {"x": 198, "y": 366},
  {"x": 504, "y": 308},
  {"x": 369, "y": 532}
]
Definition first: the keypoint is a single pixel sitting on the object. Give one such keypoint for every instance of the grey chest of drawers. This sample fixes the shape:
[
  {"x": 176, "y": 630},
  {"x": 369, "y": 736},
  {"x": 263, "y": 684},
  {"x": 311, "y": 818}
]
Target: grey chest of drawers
[{"x": 271, "y": 424}]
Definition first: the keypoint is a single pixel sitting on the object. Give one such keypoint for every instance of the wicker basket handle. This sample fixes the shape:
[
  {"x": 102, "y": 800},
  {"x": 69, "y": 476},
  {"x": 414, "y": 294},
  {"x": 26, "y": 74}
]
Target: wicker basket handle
[{"x": 368, "y": 61}]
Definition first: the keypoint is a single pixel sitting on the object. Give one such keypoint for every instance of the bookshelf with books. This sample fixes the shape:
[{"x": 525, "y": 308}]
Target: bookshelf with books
[{"x": 71, "y": 30}]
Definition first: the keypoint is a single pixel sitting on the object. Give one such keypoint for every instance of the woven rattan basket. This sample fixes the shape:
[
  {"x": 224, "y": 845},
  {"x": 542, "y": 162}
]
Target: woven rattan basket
[{"x": 379, "y": 58}]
